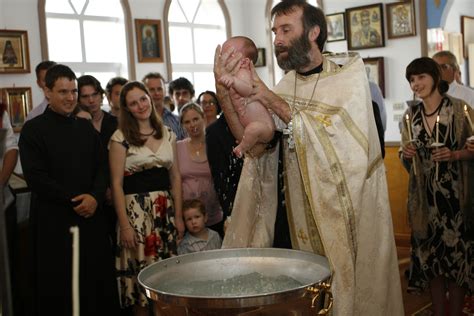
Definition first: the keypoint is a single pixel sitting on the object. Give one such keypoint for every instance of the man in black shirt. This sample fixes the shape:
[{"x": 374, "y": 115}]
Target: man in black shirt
[{"x": 64, "y": 165}]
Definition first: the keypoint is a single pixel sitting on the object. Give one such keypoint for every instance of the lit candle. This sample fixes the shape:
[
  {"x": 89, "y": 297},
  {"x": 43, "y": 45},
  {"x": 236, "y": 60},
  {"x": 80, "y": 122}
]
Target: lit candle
[
  {"x": 75, "y": 270},
  {"x": 407, "y": 120},
  {"x": 437, "y": 129},
  {"x": 468, "y": 117}
]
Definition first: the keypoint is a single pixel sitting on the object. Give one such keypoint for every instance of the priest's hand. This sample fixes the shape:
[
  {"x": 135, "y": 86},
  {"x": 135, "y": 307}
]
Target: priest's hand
[
  {"x": 225, "y": 63},
  {"x": 87, "y": 205},
  {"x": 259, "y": 89},
  {"x": 261, "y": 93}
]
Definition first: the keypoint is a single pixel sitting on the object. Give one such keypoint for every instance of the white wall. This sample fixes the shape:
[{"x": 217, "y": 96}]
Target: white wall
[
  {"x": 247, "y": 18},
  {"x": 453, "y": 25},
  {"x": 397, "y": 53},
  {"x": 147, "y": 9},
  {"x": 23, "y": 15}
]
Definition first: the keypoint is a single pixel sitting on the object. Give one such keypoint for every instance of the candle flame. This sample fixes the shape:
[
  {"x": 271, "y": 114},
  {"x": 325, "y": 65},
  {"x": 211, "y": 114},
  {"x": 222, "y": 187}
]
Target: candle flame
[{"x": 437, "y": 119}]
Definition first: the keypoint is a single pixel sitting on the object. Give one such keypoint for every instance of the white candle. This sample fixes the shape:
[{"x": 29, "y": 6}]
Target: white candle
[
  {"x": 407, "y": 119},
  {"x": 437, "y": 142},
  {"x": 468, "y": 117},
  {"x": 75, "y": 270},
  {"x": 437, "y": 129}
]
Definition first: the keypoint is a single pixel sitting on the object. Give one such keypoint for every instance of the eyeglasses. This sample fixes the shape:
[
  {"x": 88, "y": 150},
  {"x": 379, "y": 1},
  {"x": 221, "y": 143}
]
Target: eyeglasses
[
  {"x": 207, "y": 103},
  {"x": 87, "y": 96},
  {"x": 446, "y": 66}
]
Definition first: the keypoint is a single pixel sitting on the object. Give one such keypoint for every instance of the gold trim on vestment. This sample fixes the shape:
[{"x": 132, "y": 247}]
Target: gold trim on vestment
[
  {"x": 289, "y": 212},
  {"x": 302, "y": 104},
  {"x": 374, "y": 165},
  {"x": 297, "y": 234},
  {"x": 326, "y": 112},
  {"x": 354, "y": 130},
  {"x": 325, "y": 177},
  {"x": 336, "y": 171}
]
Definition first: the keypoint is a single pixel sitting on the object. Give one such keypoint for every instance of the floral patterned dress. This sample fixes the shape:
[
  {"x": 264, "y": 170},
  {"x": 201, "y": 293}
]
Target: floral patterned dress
[
  {"x": 150, "y": 213},
  {"x": 447, "y": 250}
]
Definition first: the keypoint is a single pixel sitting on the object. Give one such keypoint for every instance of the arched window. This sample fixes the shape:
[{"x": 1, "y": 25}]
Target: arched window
[
  {"x": 195, "y": 28},
  {"x": 276, "y": 72},
  {"x": 87, "y": 35}
]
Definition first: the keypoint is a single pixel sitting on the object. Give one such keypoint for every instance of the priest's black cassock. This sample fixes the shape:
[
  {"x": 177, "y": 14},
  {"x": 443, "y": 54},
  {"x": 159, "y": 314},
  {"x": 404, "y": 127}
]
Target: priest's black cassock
[{"x": 63, "y": 157}]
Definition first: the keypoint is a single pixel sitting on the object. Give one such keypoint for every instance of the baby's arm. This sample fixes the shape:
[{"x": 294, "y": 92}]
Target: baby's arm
[
  {"x": 241, "y": 82},
  {"x": 227, "y": 80}
]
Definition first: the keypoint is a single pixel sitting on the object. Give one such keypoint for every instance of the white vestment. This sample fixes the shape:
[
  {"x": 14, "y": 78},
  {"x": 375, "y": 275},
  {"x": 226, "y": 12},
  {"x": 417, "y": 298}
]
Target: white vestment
[{"x": 335, "y": 189}]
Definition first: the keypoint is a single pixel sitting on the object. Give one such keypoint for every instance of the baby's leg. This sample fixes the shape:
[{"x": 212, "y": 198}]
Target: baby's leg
[
  {"x": 255, "y": 132},
  {"x": 240, "y": 106}
]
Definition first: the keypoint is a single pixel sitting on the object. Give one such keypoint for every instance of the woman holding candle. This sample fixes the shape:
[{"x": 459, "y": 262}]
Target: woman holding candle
[
  {"x": 146, "y": 188},
  {"x": 440, "y": 207}
]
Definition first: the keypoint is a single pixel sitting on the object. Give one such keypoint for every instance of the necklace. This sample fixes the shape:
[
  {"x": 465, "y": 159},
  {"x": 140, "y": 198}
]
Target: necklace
[
  {"x": 434, "y": 112},
  {"x": 148, "y": 134},
  {"x": 424, "y": 116},
  {"x": 196, "y": 149},
  {"x": 289, "y": 129}
]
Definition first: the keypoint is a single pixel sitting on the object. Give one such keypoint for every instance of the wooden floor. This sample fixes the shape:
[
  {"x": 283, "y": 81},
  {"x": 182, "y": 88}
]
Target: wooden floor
[{"x": 412, "y": 302}]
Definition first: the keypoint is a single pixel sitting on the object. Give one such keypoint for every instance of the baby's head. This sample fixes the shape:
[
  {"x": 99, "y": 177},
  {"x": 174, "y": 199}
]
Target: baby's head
[
  {"x": 195, "y": 216},
  {"x": 243, "y": 45}
]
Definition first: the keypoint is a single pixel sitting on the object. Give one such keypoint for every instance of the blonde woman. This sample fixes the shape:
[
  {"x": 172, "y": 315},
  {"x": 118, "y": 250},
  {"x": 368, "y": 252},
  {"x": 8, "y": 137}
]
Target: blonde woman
[
  {"x": 194, "y": 167},
  {"x": 146, "y": 188}
]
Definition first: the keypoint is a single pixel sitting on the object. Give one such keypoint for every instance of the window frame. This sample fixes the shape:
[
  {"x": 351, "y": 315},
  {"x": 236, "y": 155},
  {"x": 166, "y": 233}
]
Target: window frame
[
  {"x": 91, "y": 67},
  {"x": 169, "y": 66}
]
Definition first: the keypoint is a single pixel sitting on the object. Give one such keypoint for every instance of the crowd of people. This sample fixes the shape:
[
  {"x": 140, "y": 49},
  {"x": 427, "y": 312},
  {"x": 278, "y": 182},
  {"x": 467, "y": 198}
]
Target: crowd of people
[{"x": 144, "y": 184}]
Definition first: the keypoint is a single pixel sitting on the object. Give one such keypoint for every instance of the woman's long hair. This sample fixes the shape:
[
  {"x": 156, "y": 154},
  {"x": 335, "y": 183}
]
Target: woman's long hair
[{"x": 129, "y": 125}]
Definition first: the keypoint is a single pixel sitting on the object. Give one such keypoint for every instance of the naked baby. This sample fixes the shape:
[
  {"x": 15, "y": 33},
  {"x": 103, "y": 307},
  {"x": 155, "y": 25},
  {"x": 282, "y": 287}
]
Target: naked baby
[{"x": 254, "y": 117}]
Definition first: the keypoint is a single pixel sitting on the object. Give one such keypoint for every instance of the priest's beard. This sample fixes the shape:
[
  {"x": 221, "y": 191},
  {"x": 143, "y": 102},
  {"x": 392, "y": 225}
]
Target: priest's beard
[{"x": 297, "y": 53}]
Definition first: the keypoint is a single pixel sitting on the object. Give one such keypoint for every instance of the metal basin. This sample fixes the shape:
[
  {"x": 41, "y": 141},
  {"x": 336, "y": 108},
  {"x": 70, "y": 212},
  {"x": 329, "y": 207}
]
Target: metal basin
[{"x": 307, "y": 268}]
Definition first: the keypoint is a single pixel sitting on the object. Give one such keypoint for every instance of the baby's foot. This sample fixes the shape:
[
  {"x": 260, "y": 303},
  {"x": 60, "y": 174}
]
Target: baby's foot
[{"x": 238, "y": 151}]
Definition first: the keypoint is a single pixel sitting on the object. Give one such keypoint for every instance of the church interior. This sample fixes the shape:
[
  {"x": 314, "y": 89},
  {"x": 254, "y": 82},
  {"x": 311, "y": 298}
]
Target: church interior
[{"x": 178, "y": 38}]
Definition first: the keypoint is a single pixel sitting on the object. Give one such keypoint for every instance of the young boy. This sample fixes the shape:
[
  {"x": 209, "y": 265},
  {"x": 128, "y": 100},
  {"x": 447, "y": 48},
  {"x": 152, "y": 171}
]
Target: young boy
[
  {"x": 198, "y": 237},
  {"x": 255, "y": 118}
]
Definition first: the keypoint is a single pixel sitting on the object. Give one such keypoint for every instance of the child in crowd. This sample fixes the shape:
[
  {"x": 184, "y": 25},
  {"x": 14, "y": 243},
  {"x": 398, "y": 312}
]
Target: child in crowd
[
  {"x": 198, "y": 237},
  {"x": 255, "y": 118}
]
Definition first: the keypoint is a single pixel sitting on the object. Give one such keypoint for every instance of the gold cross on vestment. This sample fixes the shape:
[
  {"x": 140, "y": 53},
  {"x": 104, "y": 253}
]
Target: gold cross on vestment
[
  {"x": 325, "y": 119},
  {"x": 301, "y": 235}
]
